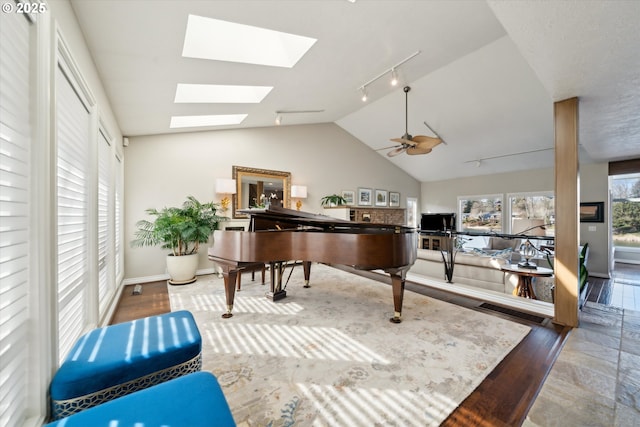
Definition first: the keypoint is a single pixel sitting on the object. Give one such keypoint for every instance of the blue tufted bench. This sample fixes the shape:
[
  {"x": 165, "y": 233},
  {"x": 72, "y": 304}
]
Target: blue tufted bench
[
  {"x": 193, "y": 400},
  {"x": 116, "y": 360}
]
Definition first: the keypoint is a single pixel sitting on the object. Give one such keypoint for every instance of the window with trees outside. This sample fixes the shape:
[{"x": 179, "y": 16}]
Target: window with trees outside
[
  {"x": 625, "y": 208},
  {"x": 532, "y": 214},
  {"x": 480, "y": 214}
]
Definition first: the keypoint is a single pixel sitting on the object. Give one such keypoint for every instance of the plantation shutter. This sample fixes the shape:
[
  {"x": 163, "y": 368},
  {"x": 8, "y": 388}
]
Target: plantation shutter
[
  {"x": 72, "y": 135},
  {"x": 118, "y": 220},
  {"x": 15, "y": 192},
  {"x": 105, "y": 265}
]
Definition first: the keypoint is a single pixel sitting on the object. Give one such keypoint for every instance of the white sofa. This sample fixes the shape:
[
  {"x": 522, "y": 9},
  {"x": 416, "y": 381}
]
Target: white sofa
[{"x": 477, "y": 270}]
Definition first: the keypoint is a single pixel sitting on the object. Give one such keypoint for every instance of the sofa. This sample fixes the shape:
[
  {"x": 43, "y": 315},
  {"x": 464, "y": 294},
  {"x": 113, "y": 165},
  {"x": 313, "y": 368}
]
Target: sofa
[
  {"x": 469, "y": 269},
  {"x": 479, "y": 269}
]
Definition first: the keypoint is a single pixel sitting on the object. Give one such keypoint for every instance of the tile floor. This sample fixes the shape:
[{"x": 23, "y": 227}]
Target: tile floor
[{"x": 596, "y": 379}]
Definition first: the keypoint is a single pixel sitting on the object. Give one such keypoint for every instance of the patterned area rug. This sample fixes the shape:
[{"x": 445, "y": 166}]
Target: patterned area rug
[{"x": 328, "y": 355}]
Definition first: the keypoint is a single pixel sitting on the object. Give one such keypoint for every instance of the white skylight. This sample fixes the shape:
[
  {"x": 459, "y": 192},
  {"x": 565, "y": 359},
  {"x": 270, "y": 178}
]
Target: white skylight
[
  {"x": 199, "y": 121},
  {"x": 208, "y": 38},
  {"x": 199, "y": 93}
]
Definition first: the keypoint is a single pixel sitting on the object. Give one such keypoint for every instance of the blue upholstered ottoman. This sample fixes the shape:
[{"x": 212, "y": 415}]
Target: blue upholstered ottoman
[
  {"x": 119, "y": 359},
  {"x": 193, "y": 400}
]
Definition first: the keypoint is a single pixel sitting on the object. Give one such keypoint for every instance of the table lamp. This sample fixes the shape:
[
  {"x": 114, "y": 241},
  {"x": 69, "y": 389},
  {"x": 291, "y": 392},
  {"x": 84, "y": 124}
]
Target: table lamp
[
  {"x": 298, "y": 192},
  {"x": 225, "y": 186},
  {"x": 528, "y": 251}
]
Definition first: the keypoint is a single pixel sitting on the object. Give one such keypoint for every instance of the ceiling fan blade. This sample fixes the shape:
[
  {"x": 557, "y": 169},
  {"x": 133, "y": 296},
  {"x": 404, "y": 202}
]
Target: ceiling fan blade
[
  {"x": 395, "y": 152},
  {"x": 404, "y": 141},
  {"x": 426, "y": 141},
  {"x": 387, "y": 148},
  {"x": 412, "y": 151}
]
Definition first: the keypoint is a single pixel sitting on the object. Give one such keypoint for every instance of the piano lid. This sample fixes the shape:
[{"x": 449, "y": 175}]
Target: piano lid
[{"x": 323, "y": 222}]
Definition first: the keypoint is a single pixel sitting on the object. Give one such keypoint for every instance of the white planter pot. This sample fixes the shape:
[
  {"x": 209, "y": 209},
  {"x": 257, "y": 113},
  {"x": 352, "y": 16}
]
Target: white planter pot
[{"x": 182, "y": 269}]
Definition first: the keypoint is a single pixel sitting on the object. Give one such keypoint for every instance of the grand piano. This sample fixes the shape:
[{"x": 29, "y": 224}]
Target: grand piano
[{"x": 277, "y": 235}]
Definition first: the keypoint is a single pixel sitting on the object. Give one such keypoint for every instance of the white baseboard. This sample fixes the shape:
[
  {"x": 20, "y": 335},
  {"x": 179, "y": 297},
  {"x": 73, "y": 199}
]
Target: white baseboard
[{"x": 159, "y": 277}]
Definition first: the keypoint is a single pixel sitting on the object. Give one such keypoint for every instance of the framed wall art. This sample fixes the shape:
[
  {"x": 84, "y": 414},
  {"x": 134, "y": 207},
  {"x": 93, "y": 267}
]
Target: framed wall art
[
  {"x": 381, "y": 197},
  {"x": 394, "y": 199},
  {"x": 364, "y": 196},
  {"x": 349, "y": 196}
]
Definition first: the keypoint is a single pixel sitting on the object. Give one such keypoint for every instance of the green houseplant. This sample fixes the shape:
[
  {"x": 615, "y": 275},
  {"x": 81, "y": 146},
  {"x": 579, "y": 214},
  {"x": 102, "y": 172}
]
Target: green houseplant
[
  {"x": 333, "y": 200},
  {"x": 180, "y": 229}
]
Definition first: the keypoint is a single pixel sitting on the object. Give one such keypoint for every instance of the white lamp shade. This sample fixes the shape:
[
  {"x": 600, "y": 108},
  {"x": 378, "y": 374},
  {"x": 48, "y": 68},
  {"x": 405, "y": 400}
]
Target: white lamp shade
[
  {"x": 225, "y": 186},
  {"x": 299, "y": 191}
]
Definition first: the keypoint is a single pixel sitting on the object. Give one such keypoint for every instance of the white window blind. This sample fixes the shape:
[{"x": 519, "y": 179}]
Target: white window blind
[
  {"x": 105, "y": 231},
  {"x": 72, "y": 136},
  {"x": 118, "y": 220},
  {"x": 15, "y": 165}
]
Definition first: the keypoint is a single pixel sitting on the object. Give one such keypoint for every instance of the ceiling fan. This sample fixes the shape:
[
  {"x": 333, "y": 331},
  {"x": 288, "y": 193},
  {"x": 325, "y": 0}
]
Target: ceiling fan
[{"x": 412, "y": 145}]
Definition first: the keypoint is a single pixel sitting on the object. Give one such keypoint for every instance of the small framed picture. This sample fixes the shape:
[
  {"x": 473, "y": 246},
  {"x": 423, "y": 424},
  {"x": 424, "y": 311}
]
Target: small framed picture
[
  {"x": 381, "y": 198},
  {"x": 349, "y": 196},
  {"x": 364, "y": 196},
  {"x": 394, "y": 199}
]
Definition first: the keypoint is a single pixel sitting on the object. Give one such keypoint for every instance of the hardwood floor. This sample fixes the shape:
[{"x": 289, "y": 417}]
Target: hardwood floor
[
  {"x": 506, "y": 395},
  {"x": 153, "y": 300}
]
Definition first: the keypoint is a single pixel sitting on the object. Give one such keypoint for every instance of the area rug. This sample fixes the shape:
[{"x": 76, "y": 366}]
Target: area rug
[{"x": 328, "y": 356}]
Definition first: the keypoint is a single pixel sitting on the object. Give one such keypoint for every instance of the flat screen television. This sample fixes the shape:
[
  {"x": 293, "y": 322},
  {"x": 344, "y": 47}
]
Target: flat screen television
[{"x": 438, "y": 221}]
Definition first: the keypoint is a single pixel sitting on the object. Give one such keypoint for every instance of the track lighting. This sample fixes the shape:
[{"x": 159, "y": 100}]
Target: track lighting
[
  {"x": 394, "y": 77},
  {"x": 478, "y": 162},
  {"x": 278, "y": 119}
]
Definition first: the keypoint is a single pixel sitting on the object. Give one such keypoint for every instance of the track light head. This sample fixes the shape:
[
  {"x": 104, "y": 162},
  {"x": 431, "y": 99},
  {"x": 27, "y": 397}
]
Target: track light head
[
  {"x": 364, "y": 94},
  {"x": 394, "y": 77},
  {"x": 278, "y": 119}
]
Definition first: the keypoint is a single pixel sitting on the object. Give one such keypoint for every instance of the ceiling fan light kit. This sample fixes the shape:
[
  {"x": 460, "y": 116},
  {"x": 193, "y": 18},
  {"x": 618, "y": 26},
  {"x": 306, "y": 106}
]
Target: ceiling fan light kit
[{"x": 412, "y": 145}]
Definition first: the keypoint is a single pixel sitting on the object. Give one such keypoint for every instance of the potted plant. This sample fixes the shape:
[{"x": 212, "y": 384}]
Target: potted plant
[
  {"x": 333, "y": 200},
  {"x": 180, "y": 229}
]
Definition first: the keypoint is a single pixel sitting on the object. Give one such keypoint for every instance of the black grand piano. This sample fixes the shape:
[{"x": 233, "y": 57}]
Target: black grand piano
[{"x": 278, "y": 235}]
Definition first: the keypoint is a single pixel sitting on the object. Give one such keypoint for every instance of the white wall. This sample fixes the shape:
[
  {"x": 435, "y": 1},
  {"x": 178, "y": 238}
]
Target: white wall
[
  {"x": 161, "y": 170},
  {"x": 442, "y": 196},
  {"x": 594, "y": 187}
]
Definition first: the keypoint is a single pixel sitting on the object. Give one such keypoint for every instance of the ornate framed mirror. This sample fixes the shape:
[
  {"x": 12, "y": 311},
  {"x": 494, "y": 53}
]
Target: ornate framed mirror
[{"x": 255, "y": 188}]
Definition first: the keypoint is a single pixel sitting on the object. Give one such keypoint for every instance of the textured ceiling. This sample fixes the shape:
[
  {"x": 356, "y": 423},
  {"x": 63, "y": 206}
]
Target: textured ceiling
[{"x": 485, "y": 80}]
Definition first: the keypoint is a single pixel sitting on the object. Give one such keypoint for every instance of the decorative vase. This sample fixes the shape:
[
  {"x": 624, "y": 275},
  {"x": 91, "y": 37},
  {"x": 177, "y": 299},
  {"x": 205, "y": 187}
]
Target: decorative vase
[{"x": 182, "y": 269}]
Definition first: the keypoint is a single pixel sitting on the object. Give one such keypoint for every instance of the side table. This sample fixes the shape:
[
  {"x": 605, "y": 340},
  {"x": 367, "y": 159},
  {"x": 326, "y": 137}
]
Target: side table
[{"x": 524, "y": 288}]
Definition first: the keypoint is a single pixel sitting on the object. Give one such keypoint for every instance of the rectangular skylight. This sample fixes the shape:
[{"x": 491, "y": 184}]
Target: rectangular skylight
[
  {"x": 200, "y": 93},
  {"x": 208, "y": 38},
  {"x": 200, "y": 121}
]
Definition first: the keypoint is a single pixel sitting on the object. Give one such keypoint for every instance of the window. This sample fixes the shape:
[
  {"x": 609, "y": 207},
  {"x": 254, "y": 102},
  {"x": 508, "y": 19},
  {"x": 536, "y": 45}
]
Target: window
[
  {"x": 15, "y": 194},
  {"x": 480, "y": 214},
  {"x": 105, "y": 228},
  {"x": 73, "y": 136},
  {"x": 625, "y": 210},
  {"x": 412, "y": 212},
  {"x": 119, "y": 272},
  {"x": 532, "y": 214}
]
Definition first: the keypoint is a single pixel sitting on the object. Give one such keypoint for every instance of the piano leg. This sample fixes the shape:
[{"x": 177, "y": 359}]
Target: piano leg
[
  {"x": 306, "y": 265},
  {"x": 230, "y": 279},
  {"x": 276, "y": 269},
  {"x": 397, "y": 286}
]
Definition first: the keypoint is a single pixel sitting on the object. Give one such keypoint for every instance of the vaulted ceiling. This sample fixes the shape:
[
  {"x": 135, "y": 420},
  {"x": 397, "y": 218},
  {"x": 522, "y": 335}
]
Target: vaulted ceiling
[{"x": 485, "y": 79}]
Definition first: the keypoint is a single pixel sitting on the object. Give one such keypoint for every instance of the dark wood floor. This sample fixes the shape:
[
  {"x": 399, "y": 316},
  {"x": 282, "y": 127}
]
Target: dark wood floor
[{"x": 505, "y": 396}]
